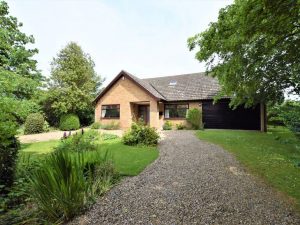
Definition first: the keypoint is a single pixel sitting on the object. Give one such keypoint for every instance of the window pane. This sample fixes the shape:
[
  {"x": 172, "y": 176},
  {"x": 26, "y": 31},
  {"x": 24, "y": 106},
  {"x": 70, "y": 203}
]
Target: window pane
[
  {"x": 181, "y": 112},
  {"x": 176, "y": 110},
  {"x": 110, "y": 111},
  {"x": 167, "y": 113},
  {"x": 103, "y": 113},
  {"x": 173, "y": 113}
]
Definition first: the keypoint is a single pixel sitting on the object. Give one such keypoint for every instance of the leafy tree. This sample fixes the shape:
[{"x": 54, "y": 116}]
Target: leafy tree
[
  {"x": 73, "y": 83},
  {"x": 287, "y": 113},
  {"x": 19, "y": 79},
  {"x": 291, "y": 116},
  {"x": 253, "y": 49}
]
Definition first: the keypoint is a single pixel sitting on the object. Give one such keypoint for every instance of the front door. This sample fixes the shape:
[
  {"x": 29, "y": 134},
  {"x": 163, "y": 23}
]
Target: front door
[{"x": 143, "y": 113}]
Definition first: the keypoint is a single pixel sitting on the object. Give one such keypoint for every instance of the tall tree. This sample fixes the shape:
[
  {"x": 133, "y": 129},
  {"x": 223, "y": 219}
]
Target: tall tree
[
  {"x": 253, "y": 49},
  {"x": 73, "y": 83},
  {"x": 19, "y": 79},
  {"x": 19, "y": 76}
]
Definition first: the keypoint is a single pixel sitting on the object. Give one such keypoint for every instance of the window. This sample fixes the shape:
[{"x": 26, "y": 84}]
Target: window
[
  {"x": 176, "y": 110},
  {"x": 110, "y": 111}
]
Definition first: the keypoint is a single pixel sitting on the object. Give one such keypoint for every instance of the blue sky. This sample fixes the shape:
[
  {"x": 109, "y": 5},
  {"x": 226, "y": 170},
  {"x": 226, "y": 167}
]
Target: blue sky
[{"x": 145, "y": 38}]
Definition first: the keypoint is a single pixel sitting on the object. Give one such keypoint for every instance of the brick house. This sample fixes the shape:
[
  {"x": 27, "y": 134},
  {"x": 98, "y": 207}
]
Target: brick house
[{"x": 155, "y": 100}]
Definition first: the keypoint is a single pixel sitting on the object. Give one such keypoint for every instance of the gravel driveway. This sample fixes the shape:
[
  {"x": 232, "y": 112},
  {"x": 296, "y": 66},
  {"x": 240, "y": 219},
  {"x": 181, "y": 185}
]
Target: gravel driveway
[{"x": 192, "y": 182}]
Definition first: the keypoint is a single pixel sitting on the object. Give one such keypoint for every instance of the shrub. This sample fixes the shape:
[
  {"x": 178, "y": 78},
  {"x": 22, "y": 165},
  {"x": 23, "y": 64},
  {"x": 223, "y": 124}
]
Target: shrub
[
  {"x": 194, "y": 116},
  {"x": 96, "y": 125},
  {"x": 141, "y": 134},
  {"x": 46, "y": 126},
  {"x": 79, "y": 142},
  {"x": 66, "y": 183},
  {"x": 69, "y": 122},
  {"x": 34, "y": 123},
  {"x": 8, "y": 157},
  {"x": 113, "y": 125},
  {"x": 9, "y": 145},
  {"x": 180, "y": 126},
  {"x": 167, "y": 125},
  {"x": 18, "y": 192},
  {"x": 25, "y": 108}
]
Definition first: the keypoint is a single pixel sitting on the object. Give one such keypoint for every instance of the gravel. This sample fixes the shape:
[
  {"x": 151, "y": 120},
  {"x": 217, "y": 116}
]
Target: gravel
[{"x": 192, "y": 182}]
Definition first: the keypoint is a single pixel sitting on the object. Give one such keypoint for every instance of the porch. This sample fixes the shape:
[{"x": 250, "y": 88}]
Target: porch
[{"x": 147, "y": 111}]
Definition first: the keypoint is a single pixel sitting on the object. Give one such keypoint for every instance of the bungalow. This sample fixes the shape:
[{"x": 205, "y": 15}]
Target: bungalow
[{"x": 155, "y": 100}]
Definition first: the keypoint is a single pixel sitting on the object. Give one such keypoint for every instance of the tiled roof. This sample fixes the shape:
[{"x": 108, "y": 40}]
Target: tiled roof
[
  {"x": 145, "y": 84},
  {"x": 194, "y": 86}
]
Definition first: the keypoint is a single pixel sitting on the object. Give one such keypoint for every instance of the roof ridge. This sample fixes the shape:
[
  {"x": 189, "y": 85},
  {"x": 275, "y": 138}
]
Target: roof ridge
[{"x": 173, "y": 75}]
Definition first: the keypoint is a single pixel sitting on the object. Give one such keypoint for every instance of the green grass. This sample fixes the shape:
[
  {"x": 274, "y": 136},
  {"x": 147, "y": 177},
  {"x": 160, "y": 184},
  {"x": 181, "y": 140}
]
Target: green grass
[
  {"x": 273, "y": 156},
  {"x": 39, "y": 147},
  {"x": 129, "y": 160}
]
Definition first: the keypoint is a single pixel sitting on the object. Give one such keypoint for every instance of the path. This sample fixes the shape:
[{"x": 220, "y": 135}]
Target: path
[
  {"x": 56, "y": 135},
  {"x": 192, "y": 182}
]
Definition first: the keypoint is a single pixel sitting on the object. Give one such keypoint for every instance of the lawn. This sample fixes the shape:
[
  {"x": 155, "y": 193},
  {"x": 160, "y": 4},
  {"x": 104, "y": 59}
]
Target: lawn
[
  {"x": 129, "y": 160},
  {"x": 273, "y": 156}
]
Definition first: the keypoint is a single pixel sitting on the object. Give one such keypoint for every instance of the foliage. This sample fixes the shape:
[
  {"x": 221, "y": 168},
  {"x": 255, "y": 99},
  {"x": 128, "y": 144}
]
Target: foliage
[
  {"x": 273, "y": 115},
  {"x": 129, "y": 160},
  {"x": 273, "y": 156},
  {"x": 19, "y": 79},
  {"x": 73, "y": 84},
  {"x": 96, "y": 125},
  {"x": 113, "y": 125},
  {"x": 8, "y": 157},
  {"x": 194, "y": 116},
  {"x": 18, "y": 193},
  {"x": 66, "y": 183},
  {"x": 69, "y": 122},
  {"x": 46, "y": 126},
  {"x": 45, "y": 102},
  {"x": 34, "y": 123},
  {"x": 25, "y": 108},
  {"x": 290, "y": 115},
  {"x": 141, "y": 134},
  {"x": 106, "y": 136},
  {"x": 78, "y": 142},
  {"x": 180, "y": 126},
  {"x": 8, "y": 125},
  {"x": 21, "y": 216},
  {"x": 19, "y": 75},
  {"x": 253, "y": 50},
  {"x": 167, "y": 125}
]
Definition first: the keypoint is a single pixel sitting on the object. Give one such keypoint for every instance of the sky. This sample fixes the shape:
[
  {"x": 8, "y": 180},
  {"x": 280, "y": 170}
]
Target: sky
[{"x": 146, "y": 38}]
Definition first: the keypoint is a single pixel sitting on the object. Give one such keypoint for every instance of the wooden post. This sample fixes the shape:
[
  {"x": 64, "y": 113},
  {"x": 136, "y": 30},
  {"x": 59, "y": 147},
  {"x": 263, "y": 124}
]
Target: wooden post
[{"x": 263, "y": 117}]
